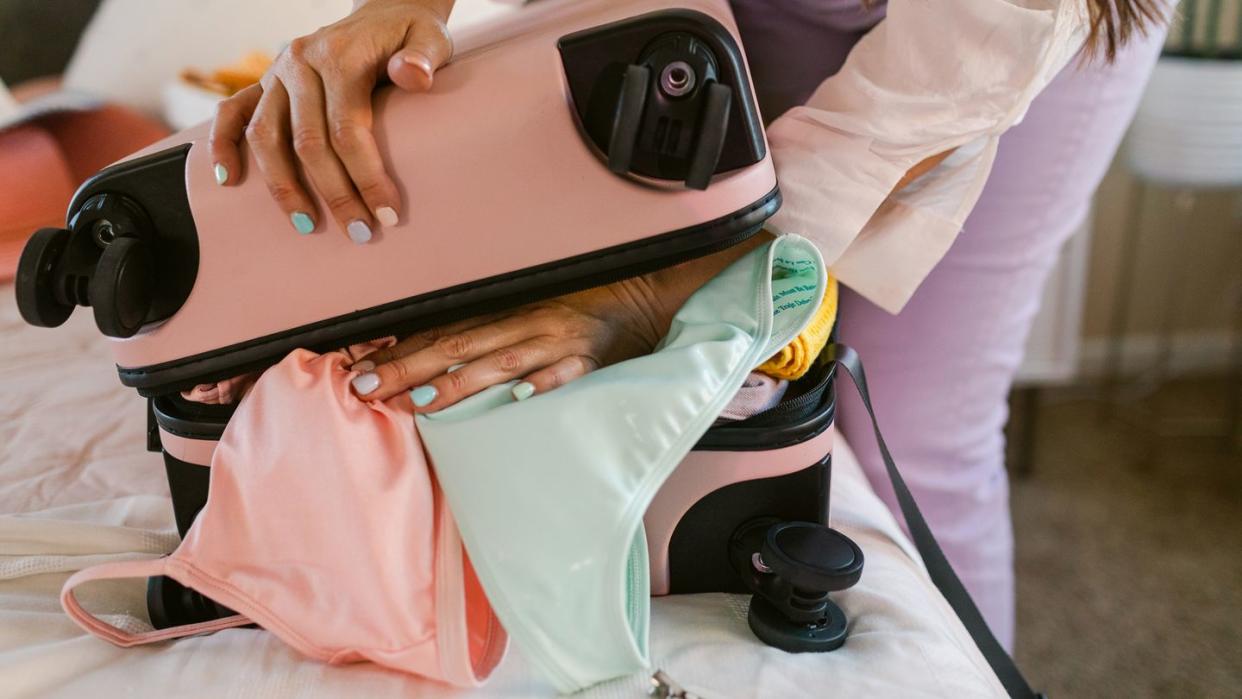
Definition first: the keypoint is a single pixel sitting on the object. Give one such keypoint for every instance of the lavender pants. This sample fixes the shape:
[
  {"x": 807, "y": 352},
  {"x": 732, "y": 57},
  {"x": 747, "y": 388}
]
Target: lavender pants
[{"x": 941, "y": 370}]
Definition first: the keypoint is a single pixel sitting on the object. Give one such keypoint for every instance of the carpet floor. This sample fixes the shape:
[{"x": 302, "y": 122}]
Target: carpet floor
[{"x": 1129, "y": 548}]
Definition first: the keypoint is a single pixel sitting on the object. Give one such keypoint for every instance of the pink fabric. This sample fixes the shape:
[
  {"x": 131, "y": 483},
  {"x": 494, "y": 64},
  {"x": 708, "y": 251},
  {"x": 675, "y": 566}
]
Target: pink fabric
[
  {"x": 940, "y": 371},
  {"x": 932, "y": 77},
  {"x": 36, "y": 184},
  {"x": 342, "y": 545},
  {"x": 93, "y": 140},
  {"x": 223, "y": 392},
  {"x": 759, "y": 392},
  {"x": 233, "y": 390}
]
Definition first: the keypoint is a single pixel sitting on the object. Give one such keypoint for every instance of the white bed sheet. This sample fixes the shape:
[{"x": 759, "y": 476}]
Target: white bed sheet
[{"x": 78, "y": 488}]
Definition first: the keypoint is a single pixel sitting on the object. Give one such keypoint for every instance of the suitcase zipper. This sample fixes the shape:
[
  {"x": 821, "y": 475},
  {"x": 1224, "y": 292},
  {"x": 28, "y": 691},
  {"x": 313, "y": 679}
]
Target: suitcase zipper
[{"x": 801, "y": 406}]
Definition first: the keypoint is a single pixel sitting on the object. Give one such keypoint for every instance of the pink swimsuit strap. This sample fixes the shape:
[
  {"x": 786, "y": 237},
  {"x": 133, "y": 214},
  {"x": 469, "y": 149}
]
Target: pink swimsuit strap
[{"x": 119, "y": 570}]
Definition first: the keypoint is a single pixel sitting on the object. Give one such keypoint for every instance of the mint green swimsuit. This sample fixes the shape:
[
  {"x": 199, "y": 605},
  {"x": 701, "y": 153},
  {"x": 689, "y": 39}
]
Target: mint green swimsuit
[{"x": 549, "y": 493}]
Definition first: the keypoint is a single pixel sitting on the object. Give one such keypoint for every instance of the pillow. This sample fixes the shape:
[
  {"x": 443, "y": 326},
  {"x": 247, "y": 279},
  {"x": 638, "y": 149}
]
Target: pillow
[{"x": 133, "y": 48}]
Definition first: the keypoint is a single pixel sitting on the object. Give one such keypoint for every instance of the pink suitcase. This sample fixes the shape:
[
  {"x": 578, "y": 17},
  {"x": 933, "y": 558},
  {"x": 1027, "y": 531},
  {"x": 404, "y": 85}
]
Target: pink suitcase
[{"x": 593, "y": 140}]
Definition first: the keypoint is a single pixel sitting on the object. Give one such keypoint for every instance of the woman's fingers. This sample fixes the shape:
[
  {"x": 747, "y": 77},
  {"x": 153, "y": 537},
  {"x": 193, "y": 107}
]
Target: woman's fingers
[
  {"x": 349, "y": 133},
  {"x": 227, "y": 131},
  {"x": 556, "y": 374},
  {"x": 493, "y": 368},
  {"x": 313, "y": 108},
  {"x": 269, "y": 141},
  {"x": 415, "y": 369},
  {"x": 420, "y": 341},
  {"x": 427, "y": 47},
  {"x": 311, "y": 143}
]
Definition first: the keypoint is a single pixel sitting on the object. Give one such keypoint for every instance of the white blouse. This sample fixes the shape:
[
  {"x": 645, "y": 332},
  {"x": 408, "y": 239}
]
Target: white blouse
[{"x": 933, "y": 76}]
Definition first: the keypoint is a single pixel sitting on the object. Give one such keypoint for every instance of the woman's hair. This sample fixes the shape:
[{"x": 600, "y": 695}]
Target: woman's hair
[{"x": 1114, "y": 22}]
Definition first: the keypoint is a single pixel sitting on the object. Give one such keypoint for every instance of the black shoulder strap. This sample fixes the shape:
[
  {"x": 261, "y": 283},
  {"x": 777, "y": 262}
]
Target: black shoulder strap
[{"x": 937, "y": 565}]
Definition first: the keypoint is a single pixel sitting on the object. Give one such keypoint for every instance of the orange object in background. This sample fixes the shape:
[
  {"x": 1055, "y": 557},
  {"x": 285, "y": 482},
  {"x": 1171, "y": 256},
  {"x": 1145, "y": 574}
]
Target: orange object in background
[
  {"x": 43, "y": 162},
  {"x": 230, "y": 79}
]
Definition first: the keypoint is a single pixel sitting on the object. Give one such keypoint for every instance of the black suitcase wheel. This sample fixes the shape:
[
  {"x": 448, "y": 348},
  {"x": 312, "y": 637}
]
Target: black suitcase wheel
[
  {"x": 121, "y": 288},
  {"x": 36, "y": 294},
  {"x": 775, "y": 629},
  {"x": 792, "y": 567}
]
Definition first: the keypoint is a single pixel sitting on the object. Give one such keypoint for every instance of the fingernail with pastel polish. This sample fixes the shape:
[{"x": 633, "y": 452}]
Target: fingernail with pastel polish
[
  {"x": 359, "y": 231},
  {"x": 419, "y": 61},
  {"x": 365, "y": 383},
  {"x": 364, "y": 366},
  {"x": 453, "y": 368},
  {"x": 302, "y": 222},
  {"x": 387, "y": 216},
  {"x": 423, "y": 395},
  {"x": 523, "y": 390},
  {"x": 221, "y": 172}
]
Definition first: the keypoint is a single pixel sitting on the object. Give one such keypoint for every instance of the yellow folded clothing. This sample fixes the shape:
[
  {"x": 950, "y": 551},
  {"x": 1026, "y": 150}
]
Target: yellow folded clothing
[{"x": 796, "y": 358}]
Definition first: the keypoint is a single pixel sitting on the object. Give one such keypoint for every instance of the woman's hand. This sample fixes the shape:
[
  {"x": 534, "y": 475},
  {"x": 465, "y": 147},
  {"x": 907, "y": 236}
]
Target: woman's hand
[
  {"x": 313, "y": 109},
  {"x": 546, "y": 344}
]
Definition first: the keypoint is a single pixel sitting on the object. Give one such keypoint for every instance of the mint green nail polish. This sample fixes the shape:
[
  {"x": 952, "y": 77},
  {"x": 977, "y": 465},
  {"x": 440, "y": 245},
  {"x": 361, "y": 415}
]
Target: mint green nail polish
[
  {"x": 302, "y": 222},
  {"x": 221, "y": 172},
  {"x": 423, "y": 395},
  {"x": 523, "y": 390}
]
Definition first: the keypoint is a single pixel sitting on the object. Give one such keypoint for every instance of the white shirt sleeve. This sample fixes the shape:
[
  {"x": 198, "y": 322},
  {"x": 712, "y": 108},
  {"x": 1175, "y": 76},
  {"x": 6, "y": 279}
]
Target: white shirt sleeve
[{"x": 933, "y": 76}]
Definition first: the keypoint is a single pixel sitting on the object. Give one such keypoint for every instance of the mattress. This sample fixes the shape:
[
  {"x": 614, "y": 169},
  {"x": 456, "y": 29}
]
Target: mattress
[{"x": 77, "y": 488}]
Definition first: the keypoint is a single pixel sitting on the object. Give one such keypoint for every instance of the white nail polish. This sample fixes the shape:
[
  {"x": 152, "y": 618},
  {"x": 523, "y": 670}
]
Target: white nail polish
[
  {"x": 365, "y": 383},
  {"x": 523, "y": 390},
  {"x": 221, "y": 172},
  {"x": 359, "y": 231},
  {"x": 364, "y": 366},
  {"x": 387, "y": 216},
  {"x": 453, "y": 368}
]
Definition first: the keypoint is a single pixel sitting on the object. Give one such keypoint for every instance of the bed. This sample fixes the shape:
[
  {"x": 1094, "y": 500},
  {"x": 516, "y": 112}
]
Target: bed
[{"x": 78, "y": 488}]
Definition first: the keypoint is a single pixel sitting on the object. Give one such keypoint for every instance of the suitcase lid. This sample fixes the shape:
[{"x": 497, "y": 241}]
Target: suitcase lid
[{"x": 556, "y": 154}]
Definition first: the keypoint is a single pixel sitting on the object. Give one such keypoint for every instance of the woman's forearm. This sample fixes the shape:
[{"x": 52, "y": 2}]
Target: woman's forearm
[
  {"x": 671, "y": 287},
  {"x": 674, "y": 285}
]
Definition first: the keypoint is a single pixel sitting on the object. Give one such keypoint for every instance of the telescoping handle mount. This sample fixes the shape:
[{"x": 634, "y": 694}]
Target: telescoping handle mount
[
  {"x": 675, "y": 91},
  {"x": 664, "y": 96}
]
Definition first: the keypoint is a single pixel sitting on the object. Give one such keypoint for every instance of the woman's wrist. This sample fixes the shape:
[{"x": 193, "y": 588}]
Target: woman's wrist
[
  {"x": 643, "y": 307},
  {"x": 674, "y": 285}
]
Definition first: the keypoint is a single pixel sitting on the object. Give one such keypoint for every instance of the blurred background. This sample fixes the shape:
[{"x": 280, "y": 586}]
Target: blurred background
[{"x": 1125, "y": 430}]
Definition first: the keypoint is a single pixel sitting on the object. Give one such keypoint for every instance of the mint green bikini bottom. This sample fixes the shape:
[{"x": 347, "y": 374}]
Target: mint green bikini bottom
[{"x": 549, "y": 493}]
